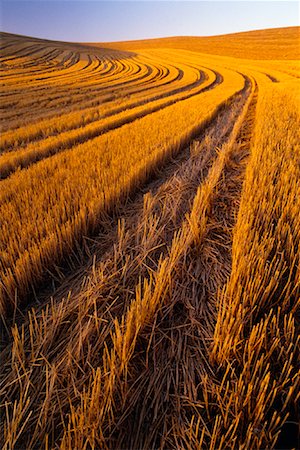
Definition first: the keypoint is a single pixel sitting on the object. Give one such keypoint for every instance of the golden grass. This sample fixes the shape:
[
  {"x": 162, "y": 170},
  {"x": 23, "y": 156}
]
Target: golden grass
[
  {"x": 258, "y": 44},
  {"x": 179, "y": 324},
  {"x": 256, "y": 343},
  {"x": 30, "y": 240},
  {"x": 87, "y": 126}
]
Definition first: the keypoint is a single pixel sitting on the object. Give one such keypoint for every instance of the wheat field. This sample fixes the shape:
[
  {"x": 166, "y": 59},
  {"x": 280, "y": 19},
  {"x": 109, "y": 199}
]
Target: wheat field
[{"x": 150, "y": 243}]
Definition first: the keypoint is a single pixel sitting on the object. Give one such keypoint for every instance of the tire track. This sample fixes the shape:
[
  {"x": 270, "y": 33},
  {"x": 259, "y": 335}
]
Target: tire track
[
  {"x": 120, "y": 259},
  {"x": 178, "y": 347},
  {"x": 193, "y": 164}
]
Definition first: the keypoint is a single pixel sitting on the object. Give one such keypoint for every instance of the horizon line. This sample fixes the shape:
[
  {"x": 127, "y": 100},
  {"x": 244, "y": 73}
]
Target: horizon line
[{"x": 150, "y": 38}]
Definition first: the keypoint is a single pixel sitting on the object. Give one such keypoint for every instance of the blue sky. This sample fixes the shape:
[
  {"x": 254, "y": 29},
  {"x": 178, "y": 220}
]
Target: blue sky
[{"x": 100, "y": 21}]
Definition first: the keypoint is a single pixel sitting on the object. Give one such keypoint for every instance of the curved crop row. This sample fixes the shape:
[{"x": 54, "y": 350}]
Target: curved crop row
[
  {"x": 36, "y": 151},
  {"x": 80, "y": 91},
  {"x": 71, "y": 190},
  {"x": 174, "y": 77},
  {"x": 147, "y": 238}
]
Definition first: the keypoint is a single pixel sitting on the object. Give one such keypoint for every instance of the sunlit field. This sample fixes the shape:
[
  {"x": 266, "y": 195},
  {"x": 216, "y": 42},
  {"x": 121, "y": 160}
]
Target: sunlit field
[{"x": 149, "y": 243}]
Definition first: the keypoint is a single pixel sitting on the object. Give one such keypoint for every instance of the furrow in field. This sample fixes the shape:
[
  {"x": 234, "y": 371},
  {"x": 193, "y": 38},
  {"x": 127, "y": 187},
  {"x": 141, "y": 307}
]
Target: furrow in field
[
  {"x": 32, "y": 68},
  {"x": 27, "y": 51},
  {"x": 50, "y": 70},
  {"x": 28, "y": 65},
  {"x": 173, "y": 75},
  {"x": 174, "y": 353},
  {"x": 8, "y": 45},
  {"x": 41, "y": 71},
  {"x": 177, "y": 82},
  {"x": 256, "y": 339},
  {"x": 66, "y": 140},
  {"x": 51, "y": 107},
  {"x": 58, "y": 75},
  {"x": 69, "y": 75},
  {"x": 79, "y": 186},
  {"x": 76, "y": 57},
  {"x": 106, "y": 288},
  {"x": 43, "y": 103},
  {"x": 176, "y": 182},
  {"x": 83, "y": 116},
  {"x": 137, "y": 76}
]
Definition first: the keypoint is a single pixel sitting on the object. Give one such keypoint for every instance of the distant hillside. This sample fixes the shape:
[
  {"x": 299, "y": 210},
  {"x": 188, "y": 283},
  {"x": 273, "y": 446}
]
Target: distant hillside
[{"x": 275, "y": 43}]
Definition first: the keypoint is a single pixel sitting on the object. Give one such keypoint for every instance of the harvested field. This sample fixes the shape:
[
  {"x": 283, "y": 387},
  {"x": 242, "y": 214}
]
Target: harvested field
[{"x": 149, "y": 243}]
